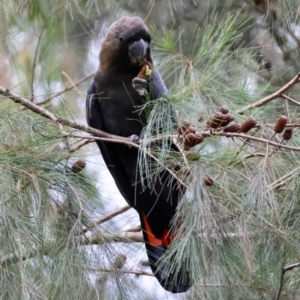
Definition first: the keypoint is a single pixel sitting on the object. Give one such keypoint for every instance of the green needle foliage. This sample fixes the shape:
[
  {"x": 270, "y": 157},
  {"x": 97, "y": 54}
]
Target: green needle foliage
[
  {"x": 237, "y": 225},
  {"x": 233, "y": 236}
]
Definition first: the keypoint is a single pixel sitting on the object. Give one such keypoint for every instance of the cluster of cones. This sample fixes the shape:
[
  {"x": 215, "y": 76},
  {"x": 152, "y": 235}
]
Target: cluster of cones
[
  {"x": 188, "y": 135},
  {"x": 280, "y": 126},
  {"x": 221, "y": 121},
  {"x": 222, "y": 118}
]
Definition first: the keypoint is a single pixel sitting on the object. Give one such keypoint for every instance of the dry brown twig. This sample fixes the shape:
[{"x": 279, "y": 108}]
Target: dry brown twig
[
  {"x": 69, "y": 87},
  {"x": 57, "y": 120},
  {"x": 131, "y": 144},
  {"x": 268, "y": 98},
  {"x": 283, "y": 271},
  {"x": 108, "y": 217},
  {"x": 38, "y": 47},
  {"x": 290, "y": 99},
  {"x": 135, "y": 272},
  {"x": 118, "y": 139},
  {"x": 89, "y": 238}
]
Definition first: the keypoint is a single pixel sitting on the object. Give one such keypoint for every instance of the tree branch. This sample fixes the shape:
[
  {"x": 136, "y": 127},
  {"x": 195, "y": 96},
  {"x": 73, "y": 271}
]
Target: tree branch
[
  {"x": 89, "y": 238},
  {"x": 58, "y": 120},
  {"x": 131, "y": 144},
  {"x": 282, "y": 180},
  {"x": 283, "y": 271},
  {"x": 99, "y": 238},
  {"x": 108, "y": 217},
  {"x": 125, "y": 271},
  {"x": 270, "y": 97},
  {"x": 290, "y": 99}
]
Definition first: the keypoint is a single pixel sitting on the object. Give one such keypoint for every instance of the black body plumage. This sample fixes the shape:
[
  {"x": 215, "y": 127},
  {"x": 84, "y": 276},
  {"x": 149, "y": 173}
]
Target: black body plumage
[{"x": 112, "y": 107}]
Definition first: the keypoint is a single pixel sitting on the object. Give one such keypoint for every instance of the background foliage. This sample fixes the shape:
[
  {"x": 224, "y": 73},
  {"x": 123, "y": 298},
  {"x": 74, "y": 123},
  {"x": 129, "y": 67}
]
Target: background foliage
[{"x": 239, "y": 237}]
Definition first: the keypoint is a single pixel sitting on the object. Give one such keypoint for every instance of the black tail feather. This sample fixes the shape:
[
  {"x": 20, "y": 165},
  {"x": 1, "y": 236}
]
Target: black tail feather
[{"x": 171, "y": 278}]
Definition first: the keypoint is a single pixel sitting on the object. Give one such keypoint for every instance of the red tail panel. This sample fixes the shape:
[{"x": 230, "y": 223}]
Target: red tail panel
[{"x": 165, "y": 240}]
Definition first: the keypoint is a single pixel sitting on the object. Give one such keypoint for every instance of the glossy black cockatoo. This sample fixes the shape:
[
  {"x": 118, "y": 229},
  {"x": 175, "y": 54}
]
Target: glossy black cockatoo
[{"x": 112, "y": 103}]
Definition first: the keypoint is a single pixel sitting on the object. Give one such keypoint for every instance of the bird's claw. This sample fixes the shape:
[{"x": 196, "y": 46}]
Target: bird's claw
[
  {"x": 134, "y": 138},
  {"x": 140, "y": 85}
]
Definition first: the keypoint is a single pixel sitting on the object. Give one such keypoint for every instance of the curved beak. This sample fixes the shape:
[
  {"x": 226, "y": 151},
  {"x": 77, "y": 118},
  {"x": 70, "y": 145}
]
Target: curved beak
[{"x": 137, "y": 51}]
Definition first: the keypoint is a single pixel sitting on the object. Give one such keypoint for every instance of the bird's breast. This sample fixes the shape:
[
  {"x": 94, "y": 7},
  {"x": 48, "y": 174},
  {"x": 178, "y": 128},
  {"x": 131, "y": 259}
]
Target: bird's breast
[{"x": 121, "y": 107}]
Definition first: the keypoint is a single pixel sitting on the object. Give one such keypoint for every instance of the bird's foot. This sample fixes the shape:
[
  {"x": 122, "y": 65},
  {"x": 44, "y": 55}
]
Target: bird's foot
[
  {"x": 134, "y": 138},
  {"x": 140, "y": 85}
]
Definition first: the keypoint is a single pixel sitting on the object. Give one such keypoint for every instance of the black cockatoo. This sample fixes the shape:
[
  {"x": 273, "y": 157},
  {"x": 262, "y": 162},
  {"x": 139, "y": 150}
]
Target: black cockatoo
[{"x": 111, "y": 105}]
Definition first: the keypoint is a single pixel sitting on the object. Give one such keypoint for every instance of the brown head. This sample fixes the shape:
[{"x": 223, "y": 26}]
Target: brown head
[{"x": 126, "y": 45}]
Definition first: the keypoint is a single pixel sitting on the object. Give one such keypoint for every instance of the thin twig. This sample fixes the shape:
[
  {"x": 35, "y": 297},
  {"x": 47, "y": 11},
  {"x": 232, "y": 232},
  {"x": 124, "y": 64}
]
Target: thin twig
[
  {"x": 283, "y": 270},
  {"x": 127, "y": 271},
  {"x": 80, "y": 145},
  {"x": 291, "y": 267},
  {"x": 291, "y": 125},
  {"x": 287, "y": 110},
  {"x": 134, "y": 229},
  {"x": 254, "y": 155},
  {"x": 245, "y": 136},
  {"x": 270, "y": 97},
  {"x": 17, "y": 257},
  {"x": 151, "y": 5},
  {"x": 108, "y": 216},
  {"x": 290, "y": 99},
  {"x": 282, "y": 180},
  {"x": 99, "y": 238},
  {"x": 72, "y": 83},
  {"x": 135, "y": 146},
  {"x": 239, "y": 135},
  {"x": 38, "y": 47},
  {"x": 66, "y": 89},
  {"x": 95, "y": 238},
  {"x": 174, "y": 140}
]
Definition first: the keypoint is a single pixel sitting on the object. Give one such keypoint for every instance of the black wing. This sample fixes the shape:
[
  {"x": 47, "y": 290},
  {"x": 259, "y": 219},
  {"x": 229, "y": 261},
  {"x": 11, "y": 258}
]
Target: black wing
[
  {"x": 158, "y": 86},
  {"x": 108, "y": 150}
]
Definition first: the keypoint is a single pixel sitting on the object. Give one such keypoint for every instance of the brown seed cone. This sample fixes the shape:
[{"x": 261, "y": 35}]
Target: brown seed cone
[
  {"x": 199, "y": 138},
  {"x": 288, "y": 133},
  {"x": 280, "y": 124},
  {"x": 78, "y": 166},
  {"x": 191, "y": 129},
  {"x": 248, "y": 125},
  {"x": 185, "y": 124},
  {"x": 208, "y": 181},
  {"x": 223, "y": 109},
  {"x": 232, "y": 128},
  {"x": 179, "y": 130},
  {"x": 120, "y": 261},
  {"x": 219, "y": 120},
  {"x": 228, "y": 117},
  {"x": 189, "y": 140}
]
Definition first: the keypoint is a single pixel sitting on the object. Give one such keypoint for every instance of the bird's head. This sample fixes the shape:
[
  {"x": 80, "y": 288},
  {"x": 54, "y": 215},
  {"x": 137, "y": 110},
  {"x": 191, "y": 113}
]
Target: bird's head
[{"x": 126, "y": 44}]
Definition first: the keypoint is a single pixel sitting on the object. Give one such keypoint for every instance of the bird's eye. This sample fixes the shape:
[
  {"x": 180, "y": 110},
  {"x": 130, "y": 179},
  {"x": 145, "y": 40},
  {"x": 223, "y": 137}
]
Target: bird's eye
[{"x": 121, "y": 39}]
